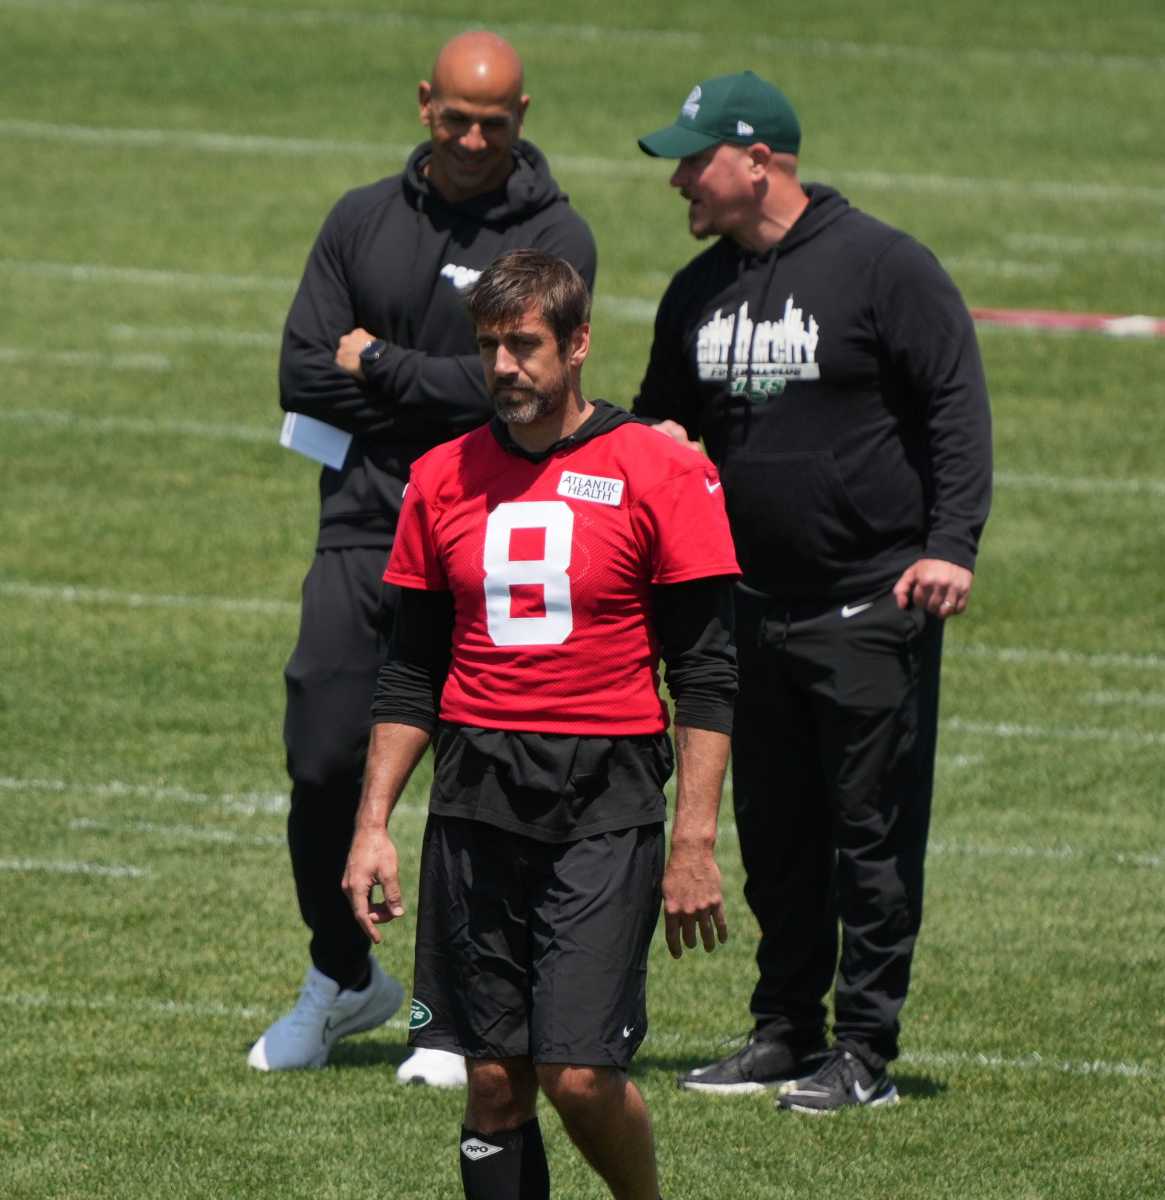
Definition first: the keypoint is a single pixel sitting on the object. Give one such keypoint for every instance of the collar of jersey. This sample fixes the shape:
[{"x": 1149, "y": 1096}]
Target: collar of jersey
[{"x": 606, "y": 417}]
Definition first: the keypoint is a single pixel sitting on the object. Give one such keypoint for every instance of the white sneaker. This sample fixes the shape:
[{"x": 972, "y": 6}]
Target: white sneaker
[
  {"x": 437, "y": 1068},
  {"x": 322, "y": 1015}
]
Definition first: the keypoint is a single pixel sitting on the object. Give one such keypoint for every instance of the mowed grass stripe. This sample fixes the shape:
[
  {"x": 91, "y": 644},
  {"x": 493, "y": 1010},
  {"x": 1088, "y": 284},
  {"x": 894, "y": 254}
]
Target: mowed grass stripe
[
  {"x": 205, "y": 141},
  {"x": 619, "y": 35}
]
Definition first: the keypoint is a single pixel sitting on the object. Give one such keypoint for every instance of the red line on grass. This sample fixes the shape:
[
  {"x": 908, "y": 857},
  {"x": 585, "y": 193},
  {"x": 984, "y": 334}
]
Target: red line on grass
[{"x": 1071, "y": 322}]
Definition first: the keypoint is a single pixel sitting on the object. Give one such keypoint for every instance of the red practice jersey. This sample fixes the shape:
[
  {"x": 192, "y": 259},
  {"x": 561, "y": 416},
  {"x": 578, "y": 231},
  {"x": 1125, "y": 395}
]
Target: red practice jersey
[{"x": 551, "y": 566}]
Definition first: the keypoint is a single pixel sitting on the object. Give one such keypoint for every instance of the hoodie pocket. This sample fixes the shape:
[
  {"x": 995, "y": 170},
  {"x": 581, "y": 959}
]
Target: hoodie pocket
[{"x": 795, "y": 528}]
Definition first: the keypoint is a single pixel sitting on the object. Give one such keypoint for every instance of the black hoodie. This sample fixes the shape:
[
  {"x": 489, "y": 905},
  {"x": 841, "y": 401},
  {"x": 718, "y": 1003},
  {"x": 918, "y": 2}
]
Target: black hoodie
[
  {"x": 393, "y": 258},
  {"x": 837, "y": 384}
]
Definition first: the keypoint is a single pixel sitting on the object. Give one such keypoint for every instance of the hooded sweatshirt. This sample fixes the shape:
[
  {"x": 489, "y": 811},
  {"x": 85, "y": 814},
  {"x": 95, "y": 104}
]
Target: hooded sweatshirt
[
  {"x": 394, "y": 258},
  {"x": 837, "y": 384}
]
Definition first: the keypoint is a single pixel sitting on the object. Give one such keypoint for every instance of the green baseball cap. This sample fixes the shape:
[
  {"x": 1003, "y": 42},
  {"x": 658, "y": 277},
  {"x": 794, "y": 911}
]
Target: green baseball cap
[{"x": 740, "y": 108}]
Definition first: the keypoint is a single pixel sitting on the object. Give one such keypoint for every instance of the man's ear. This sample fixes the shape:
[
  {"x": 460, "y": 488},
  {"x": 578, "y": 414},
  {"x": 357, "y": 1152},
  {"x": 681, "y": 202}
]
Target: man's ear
[
  {"x": 520, "y": 112},
  {"x": 425, "y": 100},
  {"x": 759, "y": 156},
  {"x": 580, "y": 346}
]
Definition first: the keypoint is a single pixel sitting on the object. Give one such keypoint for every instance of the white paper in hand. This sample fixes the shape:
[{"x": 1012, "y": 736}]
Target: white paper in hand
[{"x": 315, "y": 439}]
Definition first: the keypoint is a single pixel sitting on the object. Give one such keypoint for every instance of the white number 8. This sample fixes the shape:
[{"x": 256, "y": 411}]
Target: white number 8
[{"x": 502, "y": 573}]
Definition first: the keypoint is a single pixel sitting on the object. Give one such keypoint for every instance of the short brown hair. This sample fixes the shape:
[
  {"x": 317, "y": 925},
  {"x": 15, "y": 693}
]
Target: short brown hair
[{"x": 520, "y": 278}]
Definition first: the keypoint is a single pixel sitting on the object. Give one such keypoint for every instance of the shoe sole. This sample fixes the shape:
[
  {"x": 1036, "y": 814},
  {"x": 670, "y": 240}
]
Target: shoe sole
[
  {"x": 881, "y": 1102},
  {"x": 420, "y": 1081},
  {"x": 733, "y": 1089}
]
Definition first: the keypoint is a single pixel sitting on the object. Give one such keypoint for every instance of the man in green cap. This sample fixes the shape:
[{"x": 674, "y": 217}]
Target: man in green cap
[{"x": 830, "y": 367}]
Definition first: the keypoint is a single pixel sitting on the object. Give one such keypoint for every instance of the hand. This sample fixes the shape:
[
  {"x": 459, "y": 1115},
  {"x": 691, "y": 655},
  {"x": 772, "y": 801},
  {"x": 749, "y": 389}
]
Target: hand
[
  {"x": 348, "y": 352},
  {"x": 941, "y": 588},
  {"x": 677, "y": 433},
  {"x": 691, "y": 900},
  {"x": 371, "y": 861}
]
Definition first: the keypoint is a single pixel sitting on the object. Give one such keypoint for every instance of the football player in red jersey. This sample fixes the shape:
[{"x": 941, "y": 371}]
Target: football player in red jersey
[{"x": 547, "y": 563}]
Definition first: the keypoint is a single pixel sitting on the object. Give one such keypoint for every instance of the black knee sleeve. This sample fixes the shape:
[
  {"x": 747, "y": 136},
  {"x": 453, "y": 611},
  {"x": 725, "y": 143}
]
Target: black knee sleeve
[{"x": 507, "y": 1165}]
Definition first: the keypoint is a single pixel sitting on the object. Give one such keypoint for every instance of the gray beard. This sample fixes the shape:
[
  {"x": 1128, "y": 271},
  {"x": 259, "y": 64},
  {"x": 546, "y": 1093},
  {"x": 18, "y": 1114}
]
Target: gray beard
[{"x": 521, "y": 406}]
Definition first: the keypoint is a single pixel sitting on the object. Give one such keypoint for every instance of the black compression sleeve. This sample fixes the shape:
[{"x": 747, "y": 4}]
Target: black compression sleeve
[
  {"x": 694, "y": 623},
  {"x": 408, "y": 687}
]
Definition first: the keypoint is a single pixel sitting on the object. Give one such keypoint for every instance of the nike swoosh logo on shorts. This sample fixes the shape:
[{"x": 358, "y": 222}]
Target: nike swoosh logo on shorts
[{"x": 852, "y": 610}]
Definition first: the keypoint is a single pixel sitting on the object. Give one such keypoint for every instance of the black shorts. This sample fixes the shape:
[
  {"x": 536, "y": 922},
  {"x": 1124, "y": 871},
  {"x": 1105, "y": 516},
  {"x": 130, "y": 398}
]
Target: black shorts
[{"x": 534, "y": 949}]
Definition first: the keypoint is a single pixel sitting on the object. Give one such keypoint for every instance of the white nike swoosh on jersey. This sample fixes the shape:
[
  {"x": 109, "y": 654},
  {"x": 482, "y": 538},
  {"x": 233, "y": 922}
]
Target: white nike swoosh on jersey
[
  {"x": 712, "y": 487},
  {"x": 628, "y": 1030},
  {"x": 852, "y": 610}
]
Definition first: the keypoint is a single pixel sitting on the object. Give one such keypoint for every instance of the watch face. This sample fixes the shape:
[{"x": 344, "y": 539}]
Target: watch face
[{"x": 372, "y": 351}]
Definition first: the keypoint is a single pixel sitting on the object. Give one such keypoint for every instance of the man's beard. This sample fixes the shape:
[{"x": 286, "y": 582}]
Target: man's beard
[{"x": 524, "y": 406}]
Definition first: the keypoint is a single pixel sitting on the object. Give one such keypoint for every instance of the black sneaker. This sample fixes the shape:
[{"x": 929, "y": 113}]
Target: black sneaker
[
  {"x": 841, "y": 1081},
  {"x": 758, "y": 1066}
]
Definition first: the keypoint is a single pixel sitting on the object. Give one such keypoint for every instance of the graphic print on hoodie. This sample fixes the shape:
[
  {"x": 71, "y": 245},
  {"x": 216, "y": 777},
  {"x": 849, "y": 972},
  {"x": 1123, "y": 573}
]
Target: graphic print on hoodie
[{"x": 836, "y": 382}]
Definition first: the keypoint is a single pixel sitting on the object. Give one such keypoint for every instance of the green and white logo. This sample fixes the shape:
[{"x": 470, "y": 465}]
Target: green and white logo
[{"x": 419, "y": 1014}]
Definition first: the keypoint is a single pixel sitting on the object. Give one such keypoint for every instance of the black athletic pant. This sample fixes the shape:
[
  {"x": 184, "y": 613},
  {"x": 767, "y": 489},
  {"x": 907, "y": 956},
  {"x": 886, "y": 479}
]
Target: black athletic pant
[
  {"x": 833, "y": 764},
  {"x": 344, "y": 623}
]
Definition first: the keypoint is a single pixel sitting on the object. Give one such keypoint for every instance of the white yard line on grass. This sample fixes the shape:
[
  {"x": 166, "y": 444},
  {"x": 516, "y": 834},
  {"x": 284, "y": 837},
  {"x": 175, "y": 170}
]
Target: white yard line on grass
[
  {"x": 1056, "y": 733},
  {"x": 149, "y": 426},
  {"x": 246, "y": 804},
  {"x": 947, "y": 1060},
  {"x": 196, "y": 335},
  {"x": 1135, "y": 699},
  {"x": 192, "y": 833},
  {"x": 756, "y": 40},
  {"x": 146, "y": 276},
  {"x": 1081, "y": 485},
  {"x": 275, "y": 804},
  {"x": 951, "y": 1060},
  {"x": 243, "y": 803},
  {"x": 61, "y": 419},
  {"x": 1121, "y": 858},
  {"x": 211, "y": 142},
  {"x": 67, "y": 867},
  {"x": 93, "y": 595},
  {"x": 1056, "y": 658},
  {"x": 1071, "y": 244},
  {"x": 89, "y": 359},
  {"x": 67, "y": 594},
  {"x": 1003, "y": 267}
]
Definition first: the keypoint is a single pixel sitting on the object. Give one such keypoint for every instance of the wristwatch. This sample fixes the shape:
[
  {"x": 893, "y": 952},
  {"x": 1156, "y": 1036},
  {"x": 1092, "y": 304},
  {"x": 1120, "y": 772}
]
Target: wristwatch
[{"x": 371, "y": 353}]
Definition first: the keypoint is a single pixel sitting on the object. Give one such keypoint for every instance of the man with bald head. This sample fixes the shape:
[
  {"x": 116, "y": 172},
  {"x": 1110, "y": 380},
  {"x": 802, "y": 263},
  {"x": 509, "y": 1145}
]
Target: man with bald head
[{"x": 378, "y": 346}]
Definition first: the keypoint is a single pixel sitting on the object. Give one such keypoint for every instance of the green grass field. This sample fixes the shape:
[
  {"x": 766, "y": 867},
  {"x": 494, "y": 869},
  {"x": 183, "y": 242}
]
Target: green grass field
[{"x": 166, "y": 166}]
